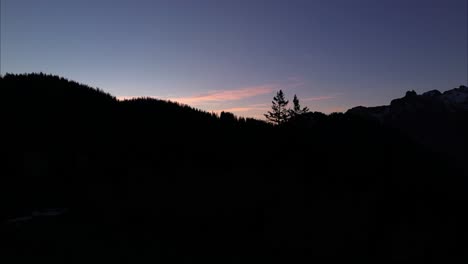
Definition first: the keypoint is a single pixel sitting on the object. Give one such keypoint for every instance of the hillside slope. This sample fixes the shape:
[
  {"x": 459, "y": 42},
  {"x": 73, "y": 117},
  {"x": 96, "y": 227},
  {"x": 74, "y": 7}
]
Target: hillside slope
[{"x": 86, "y": 178}]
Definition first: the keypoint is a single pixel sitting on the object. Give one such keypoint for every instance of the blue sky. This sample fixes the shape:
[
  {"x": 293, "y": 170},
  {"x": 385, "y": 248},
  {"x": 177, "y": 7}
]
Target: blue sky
[{"x": 234, "y": 55}]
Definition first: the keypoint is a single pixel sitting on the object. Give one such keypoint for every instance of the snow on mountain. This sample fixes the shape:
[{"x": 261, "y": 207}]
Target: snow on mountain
[{"x": 456, "y": 96}]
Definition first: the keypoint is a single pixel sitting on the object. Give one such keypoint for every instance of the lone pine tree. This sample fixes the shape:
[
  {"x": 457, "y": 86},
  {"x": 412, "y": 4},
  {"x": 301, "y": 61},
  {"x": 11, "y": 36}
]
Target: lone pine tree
[{"x": 279, "y": 113}]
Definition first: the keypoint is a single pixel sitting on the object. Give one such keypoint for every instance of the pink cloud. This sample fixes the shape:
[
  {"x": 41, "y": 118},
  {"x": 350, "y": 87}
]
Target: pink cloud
[
  {"x": 242, "y": 109},
  {"x": 317, "y": 98},
  {"x": 226, "y": 95}
]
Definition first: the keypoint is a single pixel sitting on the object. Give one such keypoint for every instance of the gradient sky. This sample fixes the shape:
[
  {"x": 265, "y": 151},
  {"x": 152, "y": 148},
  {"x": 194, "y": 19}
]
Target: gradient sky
[{"x": 233, "y": 55}]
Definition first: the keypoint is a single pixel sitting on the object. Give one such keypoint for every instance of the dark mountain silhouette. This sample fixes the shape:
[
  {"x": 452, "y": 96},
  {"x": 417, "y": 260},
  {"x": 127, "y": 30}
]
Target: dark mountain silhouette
[
  {"x": 88, "y": 178},
  {"x": 437, "y": 120}
]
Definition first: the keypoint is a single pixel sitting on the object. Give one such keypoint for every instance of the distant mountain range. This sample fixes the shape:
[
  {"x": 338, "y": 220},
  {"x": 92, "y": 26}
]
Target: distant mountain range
[
  {"x": 435, "y": 119},
  {"x": 451, "y": 101}
]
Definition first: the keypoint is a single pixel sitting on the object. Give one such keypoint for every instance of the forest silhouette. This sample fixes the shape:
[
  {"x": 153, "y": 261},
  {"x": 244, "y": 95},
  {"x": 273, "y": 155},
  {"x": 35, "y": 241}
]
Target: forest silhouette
[{"x": 87, "y": 178}]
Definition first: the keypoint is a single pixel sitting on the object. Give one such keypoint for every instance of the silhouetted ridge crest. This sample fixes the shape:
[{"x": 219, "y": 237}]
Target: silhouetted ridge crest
[
  {"x": 49, "y": 87},
  {"x": 437, "y": 120}
]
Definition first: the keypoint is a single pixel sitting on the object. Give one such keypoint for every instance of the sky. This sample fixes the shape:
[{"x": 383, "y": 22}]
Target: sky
[{"x": 234, "y": 55}]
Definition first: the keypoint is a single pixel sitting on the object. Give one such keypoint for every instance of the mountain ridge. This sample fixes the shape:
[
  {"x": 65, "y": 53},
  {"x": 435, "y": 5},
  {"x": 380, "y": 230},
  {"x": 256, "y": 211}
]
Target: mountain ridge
[{"x": 435, "y": 119}]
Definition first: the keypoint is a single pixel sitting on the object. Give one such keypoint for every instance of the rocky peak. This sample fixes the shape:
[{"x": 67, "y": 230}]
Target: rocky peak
[
  {"x": 456, "y": 96},
  {"x": 432, "y": 93},
  {"x": 411, "y": 94}
]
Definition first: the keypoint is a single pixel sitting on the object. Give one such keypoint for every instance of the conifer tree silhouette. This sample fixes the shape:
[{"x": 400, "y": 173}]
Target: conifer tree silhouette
[
  {"x": 279, "y": 113},
  {"x": 297, "y": 110}
]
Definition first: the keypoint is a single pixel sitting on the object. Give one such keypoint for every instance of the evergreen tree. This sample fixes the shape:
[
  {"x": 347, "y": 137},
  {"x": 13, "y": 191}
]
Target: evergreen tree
[
  {"x": 227, "y": 116},
  {"x": 279, "y": 113},
  {"x": 297, "y": 110}
]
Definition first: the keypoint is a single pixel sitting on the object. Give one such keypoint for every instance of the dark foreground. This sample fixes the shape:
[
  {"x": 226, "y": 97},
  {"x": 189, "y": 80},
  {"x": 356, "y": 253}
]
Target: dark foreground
[{"x": 88, "y": 179}]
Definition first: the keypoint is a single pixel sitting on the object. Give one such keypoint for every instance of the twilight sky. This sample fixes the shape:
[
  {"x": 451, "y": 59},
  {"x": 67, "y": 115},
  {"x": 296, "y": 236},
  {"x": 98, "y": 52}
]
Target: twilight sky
[{"x": 233, "y": 55}]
